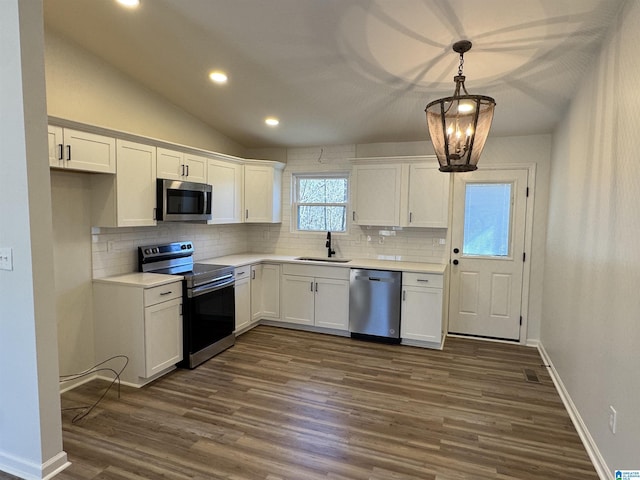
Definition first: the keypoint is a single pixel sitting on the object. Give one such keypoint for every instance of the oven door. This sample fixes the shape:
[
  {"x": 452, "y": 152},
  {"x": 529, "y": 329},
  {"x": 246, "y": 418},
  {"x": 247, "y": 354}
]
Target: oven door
[{"x": 209, "y": 321}]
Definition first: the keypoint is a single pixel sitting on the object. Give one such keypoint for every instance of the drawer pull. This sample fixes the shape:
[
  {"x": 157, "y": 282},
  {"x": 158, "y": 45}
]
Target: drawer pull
[
  {"x": 241, "y": 273},
  {"x": 165, "y": 293},
  {"x": 423, "y": 280}
]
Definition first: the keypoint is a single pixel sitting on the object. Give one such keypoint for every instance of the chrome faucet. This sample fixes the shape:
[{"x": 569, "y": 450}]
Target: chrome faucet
[{"x": 328, "y": 245}]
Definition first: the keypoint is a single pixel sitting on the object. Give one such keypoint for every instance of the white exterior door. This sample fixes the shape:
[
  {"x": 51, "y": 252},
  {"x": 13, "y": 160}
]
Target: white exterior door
[{"x": 487, "y": 240}]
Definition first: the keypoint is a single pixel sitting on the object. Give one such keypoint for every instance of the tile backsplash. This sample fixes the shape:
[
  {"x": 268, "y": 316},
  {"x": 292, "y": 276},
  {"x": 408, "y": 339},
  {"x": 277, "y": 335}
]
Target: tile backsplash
[{"x": 115, "y": 250}]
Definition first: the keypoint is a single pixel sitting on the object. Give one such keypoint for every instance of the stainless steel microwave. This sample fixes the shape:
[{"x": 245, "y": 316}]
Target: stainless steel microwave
[{"x": 179, "y": 201}]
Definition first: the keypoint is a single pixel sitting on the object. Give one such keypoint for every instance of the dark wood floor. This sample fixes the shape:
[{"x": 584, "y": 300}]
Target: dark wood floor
[{"x": 283, "y": 404}]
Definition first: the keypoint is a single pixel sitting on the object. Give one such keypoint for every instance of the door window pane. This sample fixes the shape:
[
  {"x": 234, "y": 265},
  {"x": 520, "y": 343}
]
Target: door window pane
[{"x": 487, "y": 219}]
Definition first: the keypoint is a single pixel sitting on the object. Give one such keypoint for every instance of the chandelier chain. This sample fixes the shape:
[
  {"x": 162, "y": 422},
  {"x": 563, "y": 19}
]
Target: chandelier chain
[{"x": 461, "y": 64}]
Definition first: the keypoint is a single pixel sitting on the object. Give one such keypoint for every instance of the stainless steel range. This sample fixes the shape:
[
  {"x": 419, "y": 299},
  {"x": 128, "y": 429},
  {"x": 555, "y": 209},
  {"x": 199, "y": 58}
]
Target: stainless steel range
[{"x": 208, "y": 304}]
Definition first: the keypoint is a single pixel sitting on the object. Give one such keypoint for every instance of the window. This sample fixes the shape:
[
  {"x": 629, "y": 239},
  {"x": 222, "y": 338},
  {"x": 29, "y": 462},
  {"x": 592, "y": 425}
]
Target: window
[
  {"x": 487, "y": 219},
  {"x": 320, "y": 202}
]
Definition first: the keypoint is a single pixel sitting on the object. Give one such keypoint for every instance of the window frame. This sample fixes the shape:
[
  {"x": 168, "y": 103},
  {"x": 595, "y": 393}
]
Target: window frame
[{"x": 295, "y": 203}]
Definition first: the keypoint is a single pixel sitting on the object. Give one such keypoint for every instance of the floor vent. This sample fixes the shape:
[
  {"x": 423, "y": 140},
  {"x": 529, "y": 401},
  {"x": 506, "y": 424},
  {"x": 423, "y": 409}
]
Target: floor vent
[{"x": 530, "y": 375}]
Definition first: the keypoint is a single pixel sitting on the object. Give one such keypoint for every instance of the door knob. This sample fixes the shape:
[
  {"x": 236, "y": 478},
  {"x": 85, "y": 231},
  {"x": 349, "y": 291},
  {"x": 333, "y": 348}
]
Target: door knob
[
  {"x": 456, "y": 250},
  {"x": 455, "y": 262}
]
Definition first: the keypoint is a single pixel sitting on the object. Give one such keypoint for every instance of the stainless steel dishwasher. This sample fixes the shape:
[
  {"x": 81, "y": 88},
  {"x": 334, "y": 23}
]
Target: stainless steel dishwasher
[{"x": 374, "y": 305}]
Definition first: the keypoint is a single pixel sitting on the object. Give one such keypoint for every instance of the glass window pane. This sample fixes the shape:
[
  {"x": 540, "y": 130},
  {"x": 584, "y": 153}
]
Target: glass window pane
[
  {"x": 322, "y": 190},
  {"x": 487, "y": 219},
  {"x": 322, "y": 218},
  {"x": 336, "y": 190}
]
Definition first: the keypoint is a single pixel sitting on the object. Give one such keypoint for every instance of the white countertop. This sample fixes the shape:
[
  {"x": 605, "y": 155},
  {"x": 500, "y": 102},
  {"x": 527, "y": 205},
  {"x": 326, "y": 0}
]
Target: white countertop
[
  {"x": 142, "y": 280},
  {"x": 242, "y": 259}
]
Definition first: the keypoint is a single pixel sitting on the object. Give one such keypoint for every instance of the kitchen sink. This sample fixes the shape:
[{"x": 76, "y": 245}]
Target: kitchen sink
[{"x": 325, "y": 259}]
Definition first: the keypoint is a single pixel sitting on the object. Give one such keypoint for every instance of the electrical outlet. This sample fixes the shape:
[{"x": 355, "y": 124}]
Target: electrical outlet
[
  {"x": 6, "y": 259},
  {"x": 612, "y": 419}
]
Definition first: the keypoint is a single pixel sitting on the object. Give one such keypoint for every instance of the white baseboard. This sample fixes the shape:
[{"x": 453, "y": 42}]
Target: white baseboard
[
  {"x": 30, "y": 471},
  {"x": 70, "y": 385},
  {"x": 599, "y": 464}
]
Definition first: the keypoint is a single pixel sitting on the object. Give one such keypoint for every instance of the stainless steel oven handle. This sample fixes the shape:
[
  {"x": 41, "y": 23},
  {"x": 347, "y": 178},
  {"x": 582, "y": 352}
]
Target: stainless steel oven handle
[{"x": 208, "y": 288}]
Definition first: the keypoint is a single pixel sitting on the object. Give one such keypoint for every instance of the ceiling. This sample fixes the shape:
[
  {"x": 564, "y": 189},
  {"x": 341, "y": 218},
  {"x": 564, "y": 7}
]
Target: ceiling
[{"x": 344, "y": 71}]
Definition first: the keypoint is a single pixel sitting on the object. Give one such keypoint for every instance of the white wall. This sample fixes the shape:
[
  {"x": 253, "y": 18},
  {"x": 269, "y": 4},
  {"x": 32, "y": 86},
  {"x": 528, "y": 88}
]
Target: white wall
[
  {"x": 71, "y": 215},
  {"x": 591, "y": 315},
  {"x": 30, "y": 424},
  {"x": 84, "y": 88}
]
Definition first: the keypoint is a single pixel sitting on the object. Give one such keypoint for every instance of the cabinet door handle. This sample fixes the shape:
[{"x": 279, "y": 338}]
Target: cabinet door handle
[
  {"x": 312, "y": 286},
  {"x": 155, "y": 213},
  {"x": 68, "y": 152},
  {"x": 246, "y": 214},
  {"x": 404, "y": 295},
  {"x": 165, "y": 293},
  {"x": 60, "y": 151},
  {"x": 182, "y": 170},
  {"x": 187, "y": 170},
  {"x": 253, "y": 275},
  {"x": 316, "y": 286},
  {"x": 410, "y": 217},
  {"x": 353, "y": 216}
]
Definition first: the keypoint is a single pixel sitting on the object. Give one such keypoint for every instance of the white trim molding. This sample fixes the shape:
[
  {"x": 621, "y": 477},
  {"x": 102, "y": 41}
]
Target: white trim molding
[{"x": 603, "y": 471}]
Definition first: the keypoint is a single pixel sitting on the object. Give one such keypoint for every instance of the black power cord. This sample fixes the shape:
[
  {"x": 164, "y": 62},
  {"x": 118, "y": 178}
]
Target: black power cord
[{"x": 90, "y": 371}]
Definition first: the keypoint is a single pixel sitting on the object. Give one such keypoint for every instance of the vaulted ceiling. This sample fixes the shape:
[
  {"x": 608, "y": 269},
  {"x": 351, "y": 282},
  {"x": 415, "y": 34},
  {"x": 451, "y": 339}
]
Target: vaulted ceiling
[{"x": 344, "y": 71}]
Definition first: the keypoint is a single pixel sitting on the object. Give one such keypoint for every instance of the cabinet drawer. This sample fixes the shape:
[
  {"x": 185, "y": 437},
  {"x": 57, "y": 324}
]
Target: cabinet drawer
[
  {"x": 242, "y": 272},
  {"x": 432, "y": 280},
  {"x": 162, "y": 293}
]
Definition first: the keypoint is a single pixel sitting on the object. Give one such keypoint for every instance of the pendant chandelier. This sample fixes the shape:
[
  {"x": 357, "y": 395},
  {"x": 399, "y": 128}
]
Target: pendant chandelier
[{"x": 459, "y": 125}]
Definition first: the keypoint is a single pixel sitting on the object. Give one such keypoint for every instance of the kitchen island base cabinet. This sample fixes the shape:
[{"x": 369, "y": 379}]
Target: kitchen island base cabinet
[
  {"x": 315, "y": 296},
  {"x": 145, "y": 324},
  {"x": 421, "y": 322}
]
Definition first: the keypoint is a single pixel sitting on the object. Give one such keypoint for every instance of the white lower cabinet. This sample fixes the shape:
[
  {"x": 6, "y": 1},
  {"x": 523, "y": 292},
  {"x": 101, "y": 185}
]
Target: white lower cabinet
[
  {"x": 315, "y": 296},
  {"x": 257, "y": 294},
  {"x": 243, "y": 298},
  {"x": 422, "y": 302},
  {"x": 145, "y": 324},
  {"x": 265, "y": 291}
]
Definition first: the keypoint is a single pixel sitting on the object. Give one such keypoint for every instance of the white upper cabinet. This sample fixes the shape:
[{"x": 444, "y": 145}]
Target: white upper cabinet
[
  {"x": 400, "y": 191},
  {"x": 227, "y": 180},
  {"x": 262, "y": 190},
  {"x": 129, "y": 198},
  {"x": 175, "y": 165},
  {"x": 376, "y": 194},
  {"x": 427, "y": 195},
  {"x": 81, "y": 151}
]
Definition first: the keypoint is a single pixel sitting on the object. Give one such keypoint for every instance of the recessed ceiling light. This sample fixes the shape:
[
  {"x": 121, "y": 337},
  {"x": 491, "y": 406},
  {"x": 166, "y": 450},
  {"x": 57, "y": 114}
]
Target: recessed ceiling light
[
  {"x": 272, "y": 121},
  {"x": 218, "y": 77},
  {"x": 129, "y": 3}
]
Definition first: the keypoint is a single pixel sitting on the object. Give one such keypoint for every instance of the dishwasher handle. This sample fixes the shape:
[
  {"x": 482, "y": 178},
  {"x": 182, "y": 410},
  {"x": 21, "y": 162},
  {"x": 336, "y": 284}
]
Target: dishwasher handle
[{"x": 374, "y": 279}]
